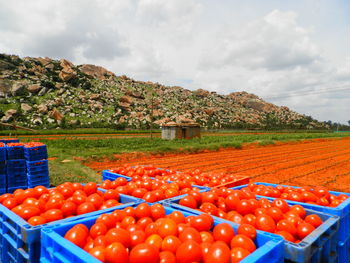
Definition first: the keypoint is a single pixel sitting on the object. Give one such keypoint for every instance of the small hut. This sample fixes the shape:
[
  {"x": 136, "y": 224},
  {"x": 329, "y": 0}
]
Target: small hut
[{"x": 173, "y": 130}]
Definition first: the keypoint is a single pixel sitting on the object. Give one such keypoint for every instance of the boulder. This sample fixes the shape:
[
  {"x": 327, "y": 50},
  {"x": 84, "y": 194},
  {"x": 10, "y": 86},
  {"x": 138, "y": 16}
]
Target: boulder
[
  {"x": 26, "y": 107},
  {"x": 55, "y": 114},
  {"x": 37, "y": 121},
  {"x": 64, "y": 63},
  {"x": 18, "y": 88},
  {"x": 125, "y": 99},
  {"x": 42, "y": 108},
  {"x": 42, "y": 91},
  {"x": 67, "y": 74},
  {"x": 96, "y": 71},
  {"x": 34, "y": 88},
  {"x": 10, "y": 112},
  {"x": 201, "y": 92}
]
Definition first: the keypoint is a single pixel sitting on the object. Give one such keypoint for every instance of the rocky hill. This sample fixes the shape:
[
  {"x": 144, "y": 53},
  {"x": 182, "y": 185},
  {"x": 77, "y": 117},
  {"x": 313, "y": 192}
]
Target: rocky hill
[{"x": 46, "y": 93}]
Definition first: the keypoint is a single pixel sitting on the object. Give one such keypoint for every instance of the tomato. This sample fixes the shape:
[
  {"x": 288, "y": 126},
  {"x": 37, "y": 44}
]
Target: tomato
[
  {"x": 85, "y": 207},
  {"x": 154, "y": 240},
  {"x": 68, "y": 208},
  {"x": 90, "y": 188},
  {"x": 232, "y": 201},
  {"x": 243, "y": 241},
  {"x": 218, "y": 252},
  {"x": 170, "y": 243},
  {"x": 244, "y": 207},
  {"x": 206, "y": 237},
  {"x": 151, "y": 228},
  {"x": 107, "y": 220},
  {"x": 247, "y": 230},
  {"x": 77, "y": 236},
  {"x": 249, "y": 219},
  {"x": 100, "y": 241},
  {"x": 223, "y": 232},
  {"x": 287, "y": 226},
  {"x": 157, "y": 211},
  {"x": 137, "y": 237},
  {"x": 37, "y": 220},
  {"x": 177, "y": 216},
  {"x": 314, "y": 220},
  {"x": 304, "y": 229},
  {"x": 10, "y": 202},
  {"x": 128, "y": 220},
  {"x": 189, "y": 251},
  {"x": 98, "y": 229},
  {"x": 144, "y": 221},
  {"x": 205, "y": 248},
  {"x": 237, "y": 254},
  {"x": 28, "y": 212},
  {"x": 286, "y": 235},
  {"x": 265, "y": 223},
  {"x": 143, "y": 210},
  {"x": 89, "y": 245},
  {"x": 96, "y": 200},
  {"x": 118, "y": 235},
  {"x": 116, "y": 253},
  {"x": 98, "y": 252},
  {"x": 298, "y": 209},
  {"x": 281, "y": 204},
  {"x": 209, "y": 208},
  {"x": 144, "y": 253},
  {"x": 275, "y": 213},
  {"x": 54, "y": 203},
  {"x": 190, "y": 233},
  {"x": 167, "y": 227},
  {"x": 189, "y": 201},
  {"x": 167, "y": 257}
]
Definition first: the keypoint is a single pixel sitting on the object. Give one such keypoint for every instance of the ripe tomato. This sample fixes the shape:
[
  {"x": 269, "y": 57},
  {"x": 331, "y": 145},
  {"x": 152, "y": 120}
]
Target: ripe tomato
[
  {"x": 223, "y": 232},
  {"x": 314, "y": 220},
  {"x": 143, "y": 210},
  {"x": 281, "y": 204},
  {"x": 77, "y": 236},
  {"x": 243, "y": 241},
  {"x": 10, "y": 202},
  {"x": 52, "y": 215},
  {"x": 68, "y": 208},
  {"x": 189, "y": 201},
  {"x": 188, "y": 251},
  {"x": 304, "y": 229},
  {"x": 177, "y": 216},
  {"x": 167, "y": 257},
  {"x": 137, "y": 237},
  {"x": 265, "y": 223},
  {"x": 144, "y": 253},
  {"x": 118, "y": 235},
  {"x": 90, "y": 188},
  {"x": 98, "y": 229},
  {"x": 190, "y": 233},
  {"x": 28, "y": 212},
  {"x": 98, "y": 252},
  {"x": 154, "y": 240},
  {"x": 37, "y": 220},
  {"x": 206, "y": 237},
  {"x": 170, "y": 243},
  {"x": 237, "y": 254},
  {"x": 157, "y": 211},
  {"x": 85, "y": 207},
  {"x": 107, "y": 219},
  {"x": 287, "y": 226},
  {"x": 167, "y": 227},
  {"x": 202, "y": 222},
  {"x": 286, "y": 235},
  {"x": 218, "y": 252},
  {"x": 247, "y": 230}
]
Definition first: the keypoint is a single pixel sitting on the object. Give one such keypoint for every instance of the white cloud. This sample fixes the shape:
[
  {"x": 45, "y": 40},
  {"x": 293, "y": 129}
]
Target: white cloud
[{"x": 265, "y": 49}]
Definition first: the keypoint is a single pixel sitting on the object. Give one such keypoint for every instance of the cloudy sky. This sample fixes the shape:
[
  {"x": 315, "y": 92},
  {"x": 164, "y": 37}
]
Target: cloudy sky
[{"x": 293, "y": 53}]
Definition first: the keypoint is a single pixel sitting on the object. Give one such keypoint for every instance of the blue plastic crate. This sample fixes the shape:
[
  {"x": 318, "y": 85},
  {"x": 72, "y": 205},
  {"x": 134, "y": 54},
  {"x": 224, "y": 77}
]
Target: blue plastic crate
[
  {"x": 15, "y": 152},
  {"x": 17, "y": 180},
  {"x": 35, "y": 153},
  {"x": 42, "y": 183},
  {"x": 3, "y": 191},
  {"x": 3, "y": 167},
  {"x": 3, "y": 181},
  {"x": 321, "y": 243},
  {"x": 35, "y": 167},
  {"x": 16, "y": 166},
  {"x": 55, "y": 248},
  {"x": 3, "y": 153},
  {"x": 342, "y": 210},
  {"x": 20, "y": 241},
  {"x": 344, "y": 251}
]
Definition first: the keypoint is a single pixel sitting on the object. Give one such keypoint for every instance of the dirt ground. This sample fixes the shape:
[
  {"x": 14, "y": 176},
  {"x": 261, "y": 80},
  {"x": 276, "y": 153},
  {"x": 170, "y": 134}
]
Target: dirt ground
[{"x": 313, "y": 162}]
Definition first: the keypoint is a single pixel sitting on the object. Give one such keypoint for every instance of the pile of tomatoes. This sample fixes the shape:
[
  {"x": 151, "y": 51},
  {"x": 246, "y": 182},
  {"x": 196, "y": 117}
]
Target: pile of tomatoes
[
  {"x": 147, "y": 234},
  {"x": 33, "y": 144},
  {"x": 241, "y": 207},
  {"x": 195, "y": 177},
  {"x": 13, "y": 144},
  {"x": 150, "y": 190},
  {"x": 40, "y": 205},
  {"x": 318, "y": 195},
  {"x": 2, "y": 144}
]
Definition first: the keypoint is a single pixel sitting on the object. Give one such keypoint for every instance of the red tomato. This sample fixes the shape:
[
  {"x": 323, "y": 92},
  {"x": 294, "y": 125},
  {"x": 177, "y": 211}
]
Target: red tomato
[
  {"x": 247, "y": 230},
  {"x": 98, "y": 252},
  {"x": 223, "y": 232},
  {"x": 177, "y": 216},
  {"x": 118, "y": 235},
  {"x": 189, "y": 251},
  {"x": 237, "y": 254},
  {"x": 206, "y": 237},
  {"x": 243, "y": 241},
  {"x": 10, "y": 202},
  {"x": 287, "y": 226},
  {"x": 90, "y": 188},
  {"x": 157, "y": 211},
  {"x": 170, "y": 243},
  {"x": 155, "y": 240},
  {"x": 106, "y": 219},
  {"x": 143, "y": 210},
  {"x": 77, "y": 236},
  {"x": 286, "y": 235},
  {"x": 116, "y": 253},
  {"x": 68, "y": 208},
  {"x": 86, "y": 207},
  {"x": 265, "y": 223},
  {"x": 314, "y": 220},
  {"x": 304, "y": 229},
  {"x": 281, "y": 204},
  {"x": 190, "y": 233},
  {"x": 52, "y": 215},
  {"x": 37, "y": 220},
  {"x": 188, "y": 201},
  {"x": 137, "y": 237},
  {"x": 167, "y": 257},
  {"x": 167, "y": 227},
  {"x": 218, "y": 252},
  {"x": 144, "y": 253},
  {"x": 202, "y": 222},
  {"x": 98, "y": 229},
  {"x": 298, "y": 209}
]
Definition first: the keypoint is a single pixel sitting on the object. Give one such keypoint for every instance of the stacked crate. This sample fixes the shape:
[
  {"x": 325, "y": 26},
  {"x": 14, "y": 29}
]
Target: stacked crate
[
  {"x": 3, "y": 179},
  {"x": 37, "y": 165},
  {"x": 16, "y": 169}
]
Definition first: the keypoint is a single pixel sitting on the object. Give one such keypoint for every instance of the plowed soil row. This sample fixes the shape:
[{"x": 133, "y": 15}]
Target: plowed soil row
[{"x": 313, "y": 162}]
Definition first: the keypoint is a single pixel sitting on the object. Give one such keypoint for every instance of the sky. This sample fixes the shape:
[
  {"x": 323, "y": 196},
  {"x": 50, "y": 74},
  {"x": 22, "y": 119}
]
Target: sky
[{"x": 293, "y": 53}]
